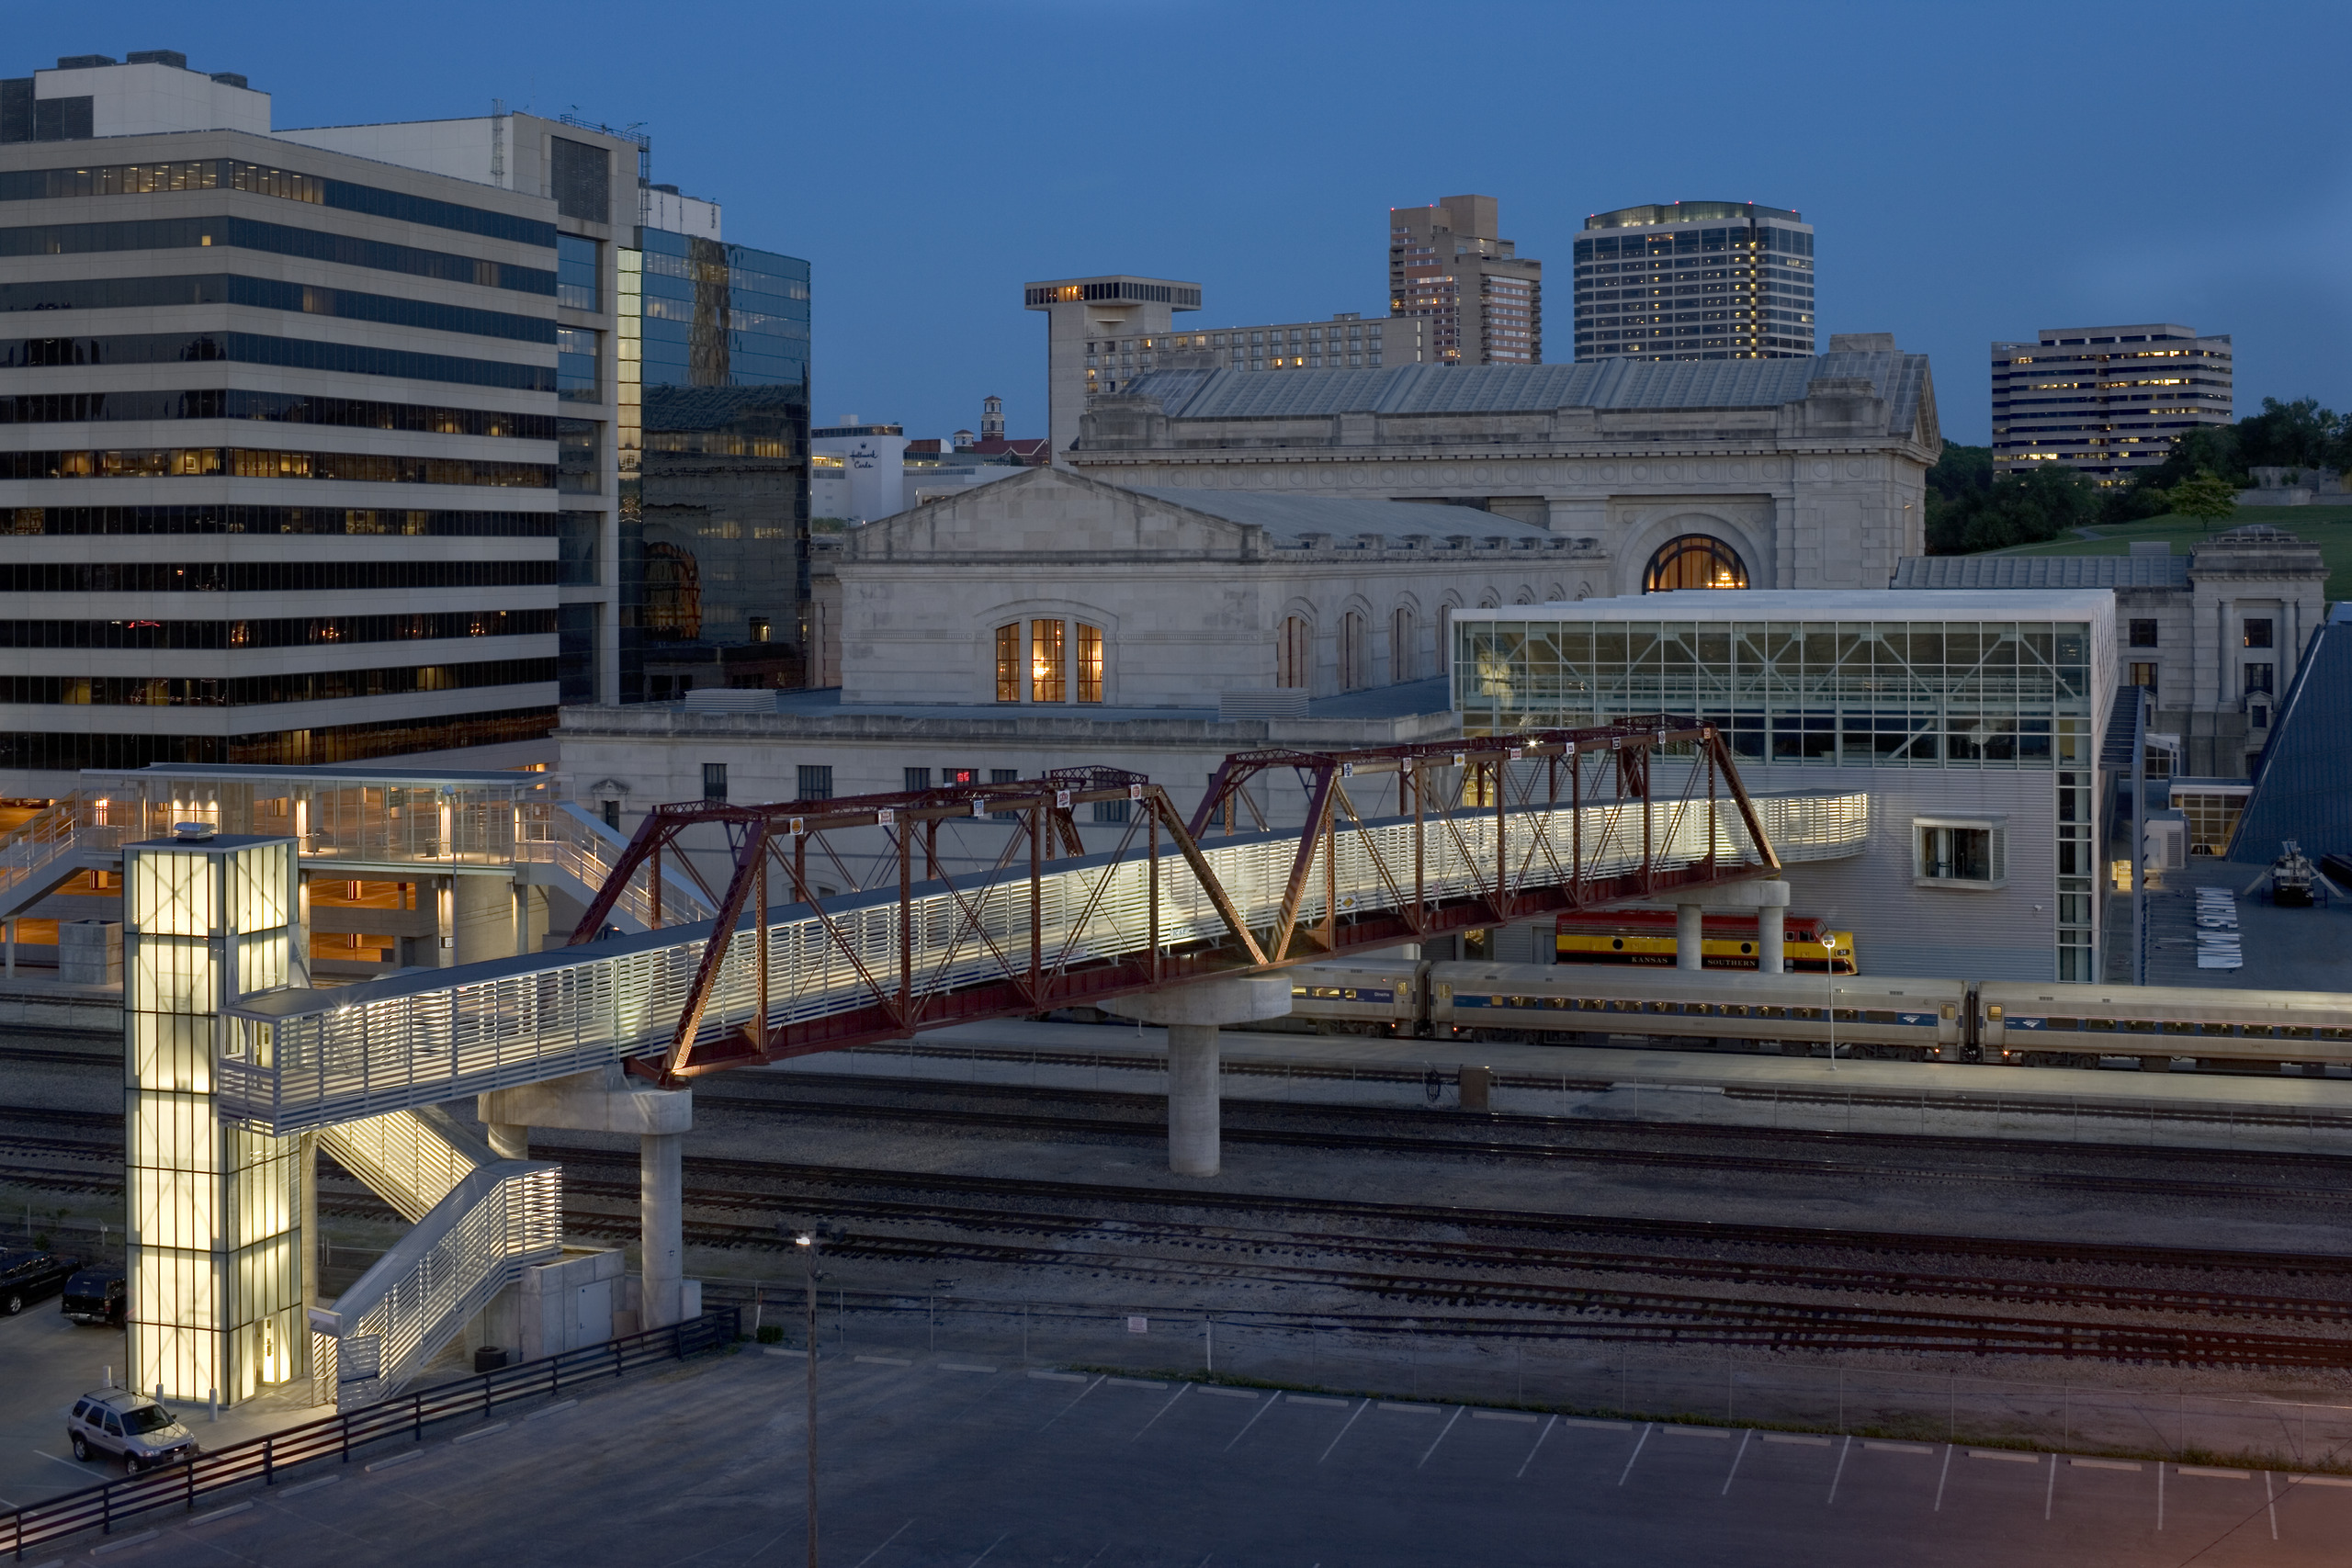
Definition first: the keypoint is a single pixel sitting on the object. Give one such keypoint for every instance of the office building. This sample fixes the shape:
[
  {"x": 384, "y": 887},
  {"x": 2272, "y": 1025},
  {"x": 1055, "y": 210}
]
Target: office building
[
  {"x": 1695, "y": 280},
  {"x": 1347, "y": 340},
  {"x": 280, "y": 475},
  {"x": 1082, "y": 313},
  {"x": 1971, "y": 721},
  {"x": 1791, "y": 473},
  {"x": 685, "y": 517},
  {"x": 1481, "y": 301},
  {"x": 2105, "y": 401}
]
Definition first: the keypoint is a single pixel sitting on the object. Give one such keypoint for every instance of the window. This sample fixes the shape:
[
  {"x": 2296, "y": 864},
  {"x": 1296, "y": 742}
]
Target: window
[
  {"x": 1058, "y": 661},
  {"x": 1295, "y": 653},
  {"x": 575, "y": 272},
  {"x": 1089, "y": 663},
  {"x": 2257, "y": 678},
  {"x": 2144, "y": 675},
  {"x": 1110, "y": 810},
  {"x": 1046, "y": 662},
  {"x": 1004, "y": 775},
  {"x": 612, "y": 815},
  {"x": 916, "y": 778},
  {"x": 955, "y": 778},
  {"x": 1355, "y": 656},
  {"x": 1694, "y": 560},
  {"x": 2258, "y": 632},
  {"x": 2143, "y": 634},
  {"x": 1403, "y": 662},
  {"x": 816, "y": 782},
  {"x": 1008, "y": 663},
  {"x": 1959, "y": 851},
  {"x": 714, "y": 781}
]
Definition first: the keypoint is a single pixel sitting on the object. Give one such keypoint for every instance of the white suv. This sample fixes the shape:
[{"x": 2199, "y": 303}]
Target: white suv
[{"x": 126, "y": 1422}]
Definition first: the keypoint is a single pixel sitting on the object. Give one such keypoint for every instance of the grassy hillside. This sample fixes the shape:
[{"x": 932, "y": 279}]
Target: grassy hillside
[{"x": 2330, "y": 527}]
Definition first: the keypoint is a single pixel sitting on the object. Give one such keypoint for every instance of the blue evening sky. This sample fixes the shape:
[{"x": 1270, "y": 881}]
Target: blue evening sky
[{"x": 1974, "y": 171}]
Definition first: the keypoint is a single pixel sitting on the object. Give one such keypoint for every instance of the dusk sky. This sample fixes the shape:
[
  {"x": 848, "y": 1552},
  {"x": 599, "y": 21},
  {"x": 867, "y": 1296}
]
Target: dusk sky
[{"x": 1973, "y": 172}]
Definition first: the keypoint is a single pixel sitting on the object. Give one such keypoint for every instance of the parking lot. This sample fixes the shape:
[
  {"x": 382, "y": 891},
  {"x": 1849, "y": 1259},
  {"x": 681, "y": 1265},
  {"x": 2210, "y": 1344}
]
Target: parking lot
[{"x": 945, "y": 1462}]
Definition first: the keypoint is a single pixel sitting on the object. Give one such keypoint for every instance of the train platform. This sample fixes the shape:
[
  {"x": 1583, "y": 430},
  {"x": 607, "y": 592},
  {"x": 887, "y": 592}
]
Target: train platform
[{"x": 2287, "y": 1113}]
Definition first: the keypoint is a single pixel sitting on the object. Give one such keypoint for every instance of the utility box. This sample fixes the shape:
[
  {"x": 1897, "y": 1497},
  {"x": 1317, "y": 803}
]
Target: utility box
[
  {"x": 2165, "y": 842},
  {"x": 570, "y": 1304},
  {"x": 1476, "y": 1087},
  {"x": 89, "y": 952}
]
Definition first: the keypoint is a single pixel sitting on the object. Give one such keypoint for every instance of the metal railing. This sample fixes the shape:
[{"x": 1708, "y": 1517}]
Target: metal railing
[
  {"x": 585, "y": 851},
  {"x": 298, "y": 1060},
  {"x": 268, "y": 1459},
  {"x": 475, "y": 1242},
  {"x": 411, "y": 1159},
  {"x": 38, "y": 853}
]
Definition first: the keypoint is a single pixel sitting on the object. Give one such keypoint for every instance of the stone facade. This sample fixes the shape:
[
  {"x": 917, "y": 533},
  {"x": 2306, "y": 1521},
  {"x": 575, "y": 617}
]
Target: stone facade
[
  {"x": 1190, "y": 590},
  {"x": 1811, "y": 471}
]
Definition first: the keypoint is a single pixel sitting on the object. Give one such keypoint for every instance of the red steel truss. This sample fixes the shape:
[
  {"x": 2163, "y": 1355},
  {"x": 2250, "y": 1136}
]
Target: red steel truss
[{"x": 1439, "y": 786}]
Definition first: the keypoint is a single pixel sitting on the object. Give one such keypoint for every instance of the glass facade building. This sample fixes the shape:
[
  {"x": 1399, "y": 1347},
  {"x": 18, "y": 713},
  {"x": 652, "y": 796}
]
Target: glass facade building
[
  {"x": 713, "y": 465},
  {"x": 1694, "y": 280},
  {"x": 1945, "y": 690}
]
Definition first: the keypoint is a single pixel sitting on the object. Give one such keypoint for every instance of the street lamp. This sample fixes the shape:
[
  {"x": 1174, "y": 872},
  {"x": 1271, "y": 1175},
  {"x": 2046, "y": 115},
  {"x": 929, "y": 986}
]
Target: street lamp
[
  {"x": 811, "y": 1243},
  {"x": 1828, "y": 991}
]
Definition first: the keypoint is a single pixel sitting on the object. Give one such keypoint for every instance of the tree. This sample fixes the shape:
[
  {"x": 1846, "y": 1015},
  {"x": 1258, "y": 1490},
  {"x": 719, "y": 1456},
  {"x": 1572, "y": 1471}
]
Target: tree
[
  {"x": 2038, "y": 504},
  {"x": 2208, "y": 498},
  {"x": 2299, "y": 435}
]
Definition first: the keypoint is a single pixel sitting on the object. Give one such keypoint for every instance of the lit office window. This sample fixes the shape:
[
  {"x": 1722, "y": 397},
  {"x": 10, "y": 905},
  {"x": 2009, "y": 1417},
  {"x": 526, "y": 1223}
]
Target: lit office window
[
  {"x": 1089, "y": 663},
  {"x": 1008, "y": 663},
  {"x": 1046, "y": 662}
]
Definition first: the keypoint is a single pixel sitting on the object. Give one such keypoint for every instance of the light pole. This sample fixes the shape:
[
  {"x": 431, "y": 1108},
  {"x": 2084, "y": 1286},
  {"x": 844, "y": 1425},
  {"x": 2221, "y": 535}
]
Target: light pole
[
  {"x": 811, "y": 1242},
  {"x": 1829, "y": 990}
]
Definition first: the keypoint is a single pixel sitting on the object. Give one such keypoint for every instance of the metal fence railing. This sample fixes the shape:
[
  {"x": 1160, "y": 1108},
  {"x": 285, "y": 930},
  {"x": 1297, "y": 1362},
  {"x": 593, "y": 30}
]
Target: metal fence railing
[{"x": 268, "y": 1459}]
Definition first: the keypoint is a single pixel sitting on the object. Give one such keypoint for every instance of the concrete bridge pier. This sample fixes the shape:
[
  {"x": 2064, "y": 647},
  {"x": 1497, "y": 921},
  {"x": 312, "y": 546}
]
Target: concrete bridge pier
[
  {"x": 1193, "y": 1014},
  {"x": 1769, "y": 899},
  {"x": 608, "y": 1101}
]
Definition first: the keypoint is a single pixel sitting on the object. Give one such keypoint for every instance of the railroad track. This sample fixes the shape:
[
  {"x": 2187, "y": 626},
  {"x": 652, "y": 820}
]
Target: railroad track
[{"x": 1622, "y": 1151}]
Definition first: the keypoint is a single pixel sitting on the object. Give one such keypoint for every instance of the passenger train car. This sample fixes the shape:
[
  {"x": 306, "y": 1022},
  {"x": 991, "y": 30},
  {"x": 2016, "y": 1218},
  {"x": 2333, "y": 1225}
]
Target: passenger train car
[
  {"x": 2022, "y": 1023},
  {"x": 1645, "y": 938}
]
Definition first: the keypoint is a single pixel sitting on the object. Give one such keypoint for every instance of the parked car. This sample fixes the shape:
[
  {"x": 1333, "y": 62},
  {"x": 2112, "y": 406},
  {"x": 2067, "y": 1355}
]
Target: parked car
[
  {"x": 27, "y": 1276},
  {"x": 124, "y": 1421},
  {"x": 99, "y": 1295}
]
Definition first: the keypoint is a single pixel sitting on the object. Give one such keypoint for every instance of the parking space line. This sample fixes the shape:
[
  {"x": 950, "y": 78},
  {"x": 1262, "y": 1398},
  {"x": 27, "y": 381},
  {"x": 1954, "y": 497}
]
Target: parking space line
[
  {"x": 993, "y": 1546},
  {"x": 1440, "y": 1436},
  {"x": 1065, "y": 1409},
  {"x": 1840, "y": 1475},
  {"x": 2270, "y": 1502},
  {"x": 2050, "y": 1493},
  {"x": 884, "y": 1546},
  {"x": 1343, "y": 1429},
  {"x": 1163, "y": 1410},
  {"x": 2160, "y": 1494},
  {"x": 1646, "y": 1430},
  {"x": 1735, "y": 1464},
  {"x": 71, "y": 1465},
  {"x": 1539, "y": 1443},
  {"x": 1941, "y": 1477},
  {"x": 1263, "y": 1405}
]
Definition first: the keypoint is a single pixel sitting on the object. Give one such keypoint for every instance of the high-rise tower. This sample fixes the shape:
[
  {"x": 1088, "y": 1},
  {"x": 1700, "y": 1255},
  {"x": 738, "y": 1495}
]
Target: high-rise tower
[
  {"x": 1695, "y": 280},
  {"x": 1483, "y": 301}
]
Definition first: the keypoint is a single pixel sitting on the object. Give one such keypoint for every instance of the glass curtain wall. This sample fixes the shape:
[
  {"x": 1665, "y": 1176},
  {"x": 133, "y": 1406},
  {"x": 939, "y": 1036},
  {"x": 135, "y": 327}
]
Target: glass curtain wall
[{"x": 215, "y": 1211}]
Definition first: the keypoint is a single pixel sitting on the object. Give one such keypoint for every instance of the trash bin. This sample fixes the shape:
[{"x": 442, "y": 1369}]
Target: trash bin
[{"x": 489, "y": 1359}]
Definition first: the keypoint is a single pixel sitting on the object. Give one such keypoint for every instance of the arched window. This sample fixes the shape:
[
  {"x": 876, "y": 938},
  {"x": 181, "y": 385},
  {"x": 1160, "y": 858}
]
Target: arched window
[
  {"x": 1694, "y": 560},
  {"x": 1295, "y": 653},
  {"x": 1355, "y": 653},
  {"x": 1404, "y": 659}
]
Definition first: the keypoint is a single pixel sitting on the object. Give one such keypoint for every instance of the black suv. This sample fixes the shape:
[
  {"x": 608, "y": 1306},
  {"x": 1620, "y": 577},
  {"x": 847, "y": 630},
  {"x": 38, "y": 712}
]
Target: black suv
[
  {"x": 26, "y": 1276},
  {"x": 98, "y": 1295}
]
